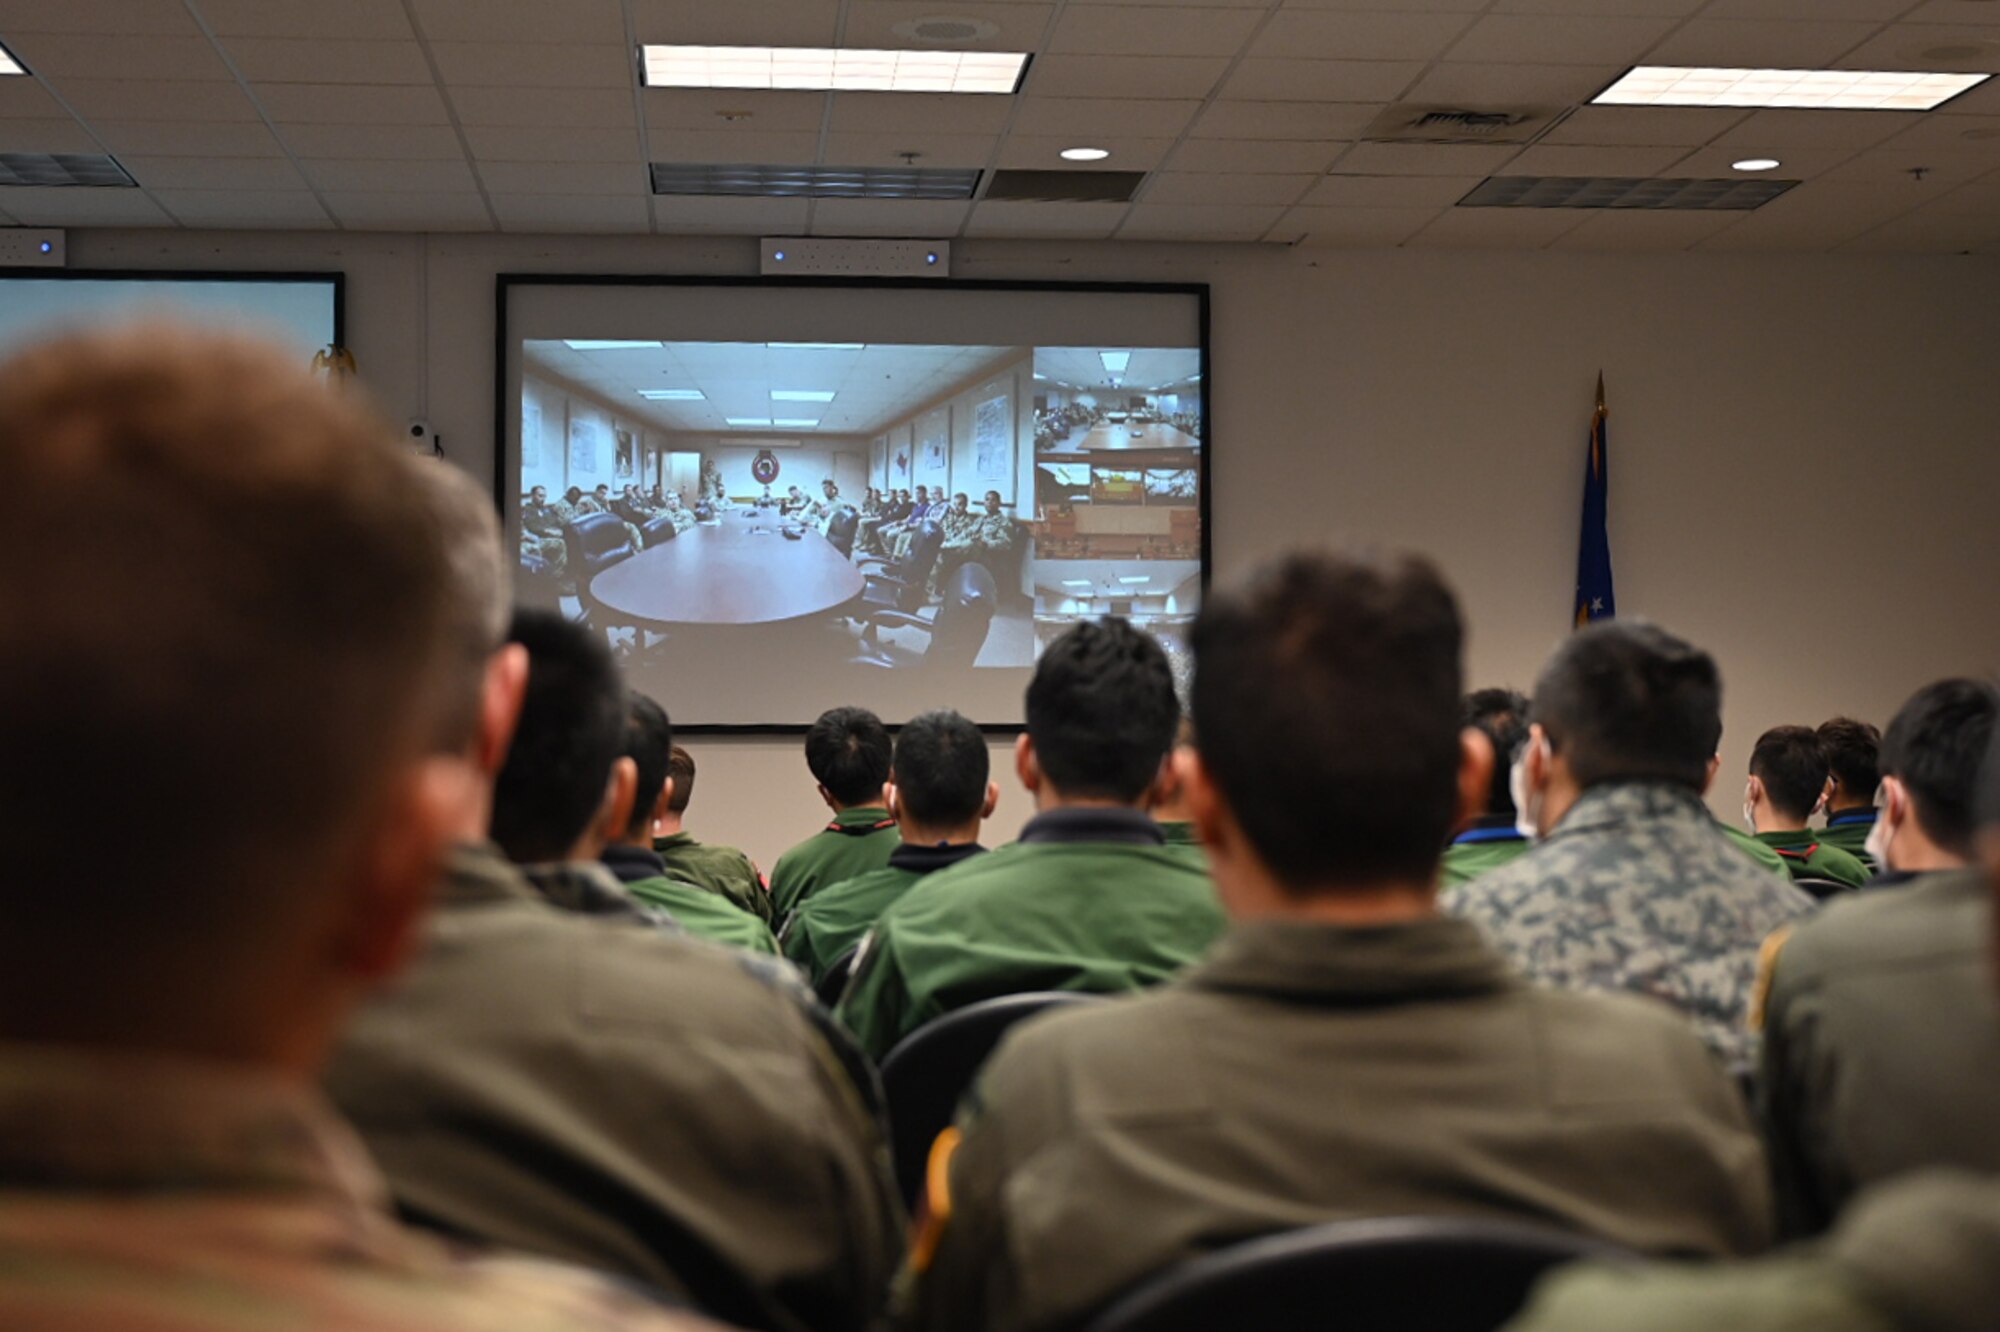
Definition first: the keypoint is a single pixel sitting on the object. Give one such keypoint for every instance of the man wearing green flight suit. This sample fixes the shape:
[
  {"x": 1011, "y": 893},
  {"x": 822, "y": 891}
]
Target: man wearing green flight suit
[
  {"x": 644, "y": 767},
  {"x": 848, "y": 752},
  {"x": 720, "y": 869},
  {"x": 1490, "y": 839},
  {"x": 1787, "y": 781},
  {"x": 1090, "y": 898},
  {"x": 940, "y": 795},
  {"x": 1853, "y": 752}
]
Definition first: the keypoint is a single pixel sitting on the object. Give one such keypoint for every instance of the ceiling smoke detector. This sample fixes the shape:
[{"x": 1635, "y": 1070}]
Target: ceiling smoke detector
[{"x": 946, "y": 31}]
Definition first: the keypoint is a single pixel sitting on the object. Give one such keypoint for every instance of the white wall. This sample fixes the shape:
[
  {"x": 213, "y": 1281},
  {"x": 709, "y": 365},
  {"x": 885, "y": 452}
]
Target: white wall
[{"x": 1804, "y": 461}]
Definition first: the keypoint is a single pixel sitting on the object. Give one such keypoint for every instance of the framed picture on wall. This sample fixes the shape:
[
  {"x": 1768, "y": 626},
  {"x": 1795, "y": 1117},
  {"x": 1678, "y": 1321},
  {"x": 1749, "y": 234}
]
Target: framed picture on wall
[
  {"x": 993, "y": 439},
  {"x": 582, "y": 445},
  {"x": 626, "y": 466}
]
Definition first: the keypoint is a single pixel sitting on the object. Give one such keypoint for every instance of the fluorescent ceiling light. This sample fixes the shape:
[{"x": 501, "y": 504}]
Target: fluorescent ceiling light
[
  {"x": 1812, "y": 89},
  {"x": 1756, "y": 164},
  {"x": 1115, "y": 362},
  {"x": 1142, "y": 578},
  {"x": 1084, "y": 154},
  {"x": 605, "y": 344},
  {"x": 1076, "y": 582},
  {"x": 800, "y": 395},
  {"x": 748, "y": 420},
  {"x": 672, "y": 395},
  {"x": 823, "y": 69},
  {"x": 8, "y": 64},
  {"x": 815, "y": 346},
  {"x": 797, "y": 423}
]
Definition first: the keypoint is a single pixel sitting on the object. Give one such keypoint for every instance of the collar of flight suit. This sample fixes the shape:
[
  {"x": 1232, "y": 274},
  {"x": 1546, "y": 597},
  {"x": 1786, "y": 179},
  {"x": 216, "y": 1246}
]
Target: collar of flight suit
[
  {"x": 1093, "y": 823},
  {"x": 632, "y": 863},
  {"x": 1435, "y": 957},
  {"x": 929, "y": 859}
]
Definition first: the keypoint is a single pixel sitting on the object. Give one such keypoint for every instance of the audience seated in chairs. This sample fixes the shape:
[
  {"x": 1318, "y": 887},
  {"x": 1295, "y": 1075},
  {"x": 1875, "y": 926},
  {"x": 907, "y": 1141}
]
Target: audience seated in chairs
[
  {"x": 953, "y": 637},
  {"x": 848, "y": 752},
  {"x": 1346, "y": 1051},
  {"x": 720, "y": 869},
  {"x": 1787, "y": 786}
]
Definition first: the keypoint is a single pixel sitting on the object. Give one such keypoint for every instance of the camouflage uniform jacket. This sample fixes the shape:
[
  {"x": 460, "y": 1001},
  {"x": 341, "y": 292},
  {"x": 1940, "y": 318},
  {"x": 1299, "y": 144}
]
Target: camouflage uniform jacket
[
  {"x": 189, "y": 1197},
  {"x": 1637, "y": 890},
  {"x": 542, "y": 519},
  {"x": 993, "y": 531},
  {"x": 958, "y": 527}
]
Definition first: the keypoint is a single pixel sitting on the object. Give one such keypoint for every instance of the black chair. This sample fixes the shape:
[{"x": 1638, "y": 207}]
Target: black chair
[
  {"x": 840, "y": 530},
  {"x": 1397, "y": 1274},
  {"x": 658, "y": 530},
  {"x": 596, "y": 541},
  {"x": 538, "y": 586},
  {"x": 1822, "y": 889},
  {"x": 830, "y": 985},
  {"x": 900, "y": 585},
  {"x": 956, "y": 635},
  {"x": 929, "y": 1070}
]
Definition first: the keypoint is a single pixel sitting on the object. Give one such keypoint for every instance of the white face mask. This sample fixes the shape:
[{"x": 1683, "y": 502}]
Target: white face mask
[
  {"x": 1527, "y": 805},
  {"x": 1750, "y": 813},
  {"x": 1879, "y": 837}
]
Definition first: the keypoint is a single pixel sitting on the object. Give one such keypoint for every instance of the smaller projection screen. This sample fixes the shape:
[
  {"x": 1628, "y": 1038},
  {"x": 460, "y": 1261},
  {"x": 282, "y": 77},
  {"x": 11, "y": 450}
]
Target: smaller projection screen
[
  {"x": 301, "y": 312},
  {"x": 776, "y": 497}
]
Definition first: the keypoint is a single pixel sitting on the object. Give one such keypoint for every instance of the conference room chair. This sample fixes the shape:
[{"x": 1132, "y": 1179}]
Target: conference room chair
[
  {"x": 829, "y": 989},
  {"x": 1439, "y": 1274},
  {"x": 596, "y": 541},
  {"x": 539, "y": 586},
  {"x": 930, "y": 1070},
  {"x": 899, "y": 585},
  {"x": 658, "y": 530},
  {"x": 840, "y": 530},
  {"x": 1821, "y": 889},
  {"x": 953, "y": 639}
]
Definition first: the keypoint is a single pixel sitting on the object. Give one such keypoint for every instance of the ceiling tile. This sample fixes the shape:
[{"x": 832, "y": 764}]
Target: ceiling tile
[
  {"x": 1640, "y": 8},
  {"x": 1481, "y": 84},
  {"x": 1415, "y": 6},
  {"x": 408, "y": 143},
  {"x": 1928, "y": 231},
  {"x": 1355, "y": 228},
  {"x": 732, "y": 217},
  {"x": 1228, "y": 156},
  {"x": 352, "y": 104},
  {"x": 244, "y": 209},
  {"x": 282, "y": 60},
  {"x": 47, "y": 134},
  {"x": 137, "y": 99},
  {"x": 1496, "y": 228},
  {"x": 520, "y": 20},
  {"x": 521, "y": 143},
  {"x": 1133, "y": 153},
  {"x": 399, "y": 211},
  {"x": 1307, "y": 34},
  {"x": 152, "y": 56},
  {"x": 71, "y": 207},
  {"x": 1817, "y": 215},
  {"x": 1879, "y": 10},
  {"x": 1073, "y": 221},
  {"x": 1424, "y": 159},
  {"x": 872, "y": 24},
  {"x": 1320, "y": 80},
  {"x": 1211, "y": 4},
  {"x": 1716, "y": 163},
  {"x": 1409, "y": 192},
  {"x": 1188, "y": 187},
  {"x": 213, "y": 173},
  {"x": 1754, "y": 43},
  {"x": 1578, "y": 160},
  {"x": 886, "y": 113},
  {"x": 794, "y": 148},
  {"x": 1644, "y": 229},
  {"x": 573, "y": 213},
  {"x": 1889, "y": 169},
  {"x": 534, "y": 64},
  {"x": 368, "y": 20},
  {"x": 932, "y": 150},
  {"x": 543, "y": 106},
  {"x": 586, "y": 178},
  {"x": 188, "y": 138},
  {"x": 1199, "y": 222},
  {"x": 736, "y": 22},
  {"x": 1851, "y": 130},
  {"x": 888, "y": 217},
  {"x": 103, "y": 17},
  {"x": 1083, "y": 119},
  {"x": 1095, "y": 29},
  {"x": 1124, "y": 76},
  {"x": 1976, "y": 137},
  {"x": 1930, "y": 46},
  {"x": 1569, "y": 39},
  {"x": 338, "y": 176},
  {"x": 1285, "y": 120},
  {"x": 748, "y": 109},
  {"x": 1640, "y": 126},
  {"x": 1951, "y": 11},
  {"x": 28, "y": 99}
]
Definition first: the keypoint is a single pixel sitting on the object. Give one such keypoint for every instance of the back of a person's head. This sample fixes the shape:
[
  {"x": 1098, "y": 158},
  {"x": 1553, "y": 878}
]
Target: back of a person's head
[
  {"x": 227, "y": 601},
  {"x": 941, "y": 769},
  {"x": 680, "y": 767},
  {"x": 1792, "y": 767},
  {"x": 1628, "y": 701},
  {"x": 572, "y": 729},
  {"x": 1853, "y": 751},
  {"x": 848, "y": 752},
  {"x": 1102, "y": 711},
  {"x": 1326, "y": 699},
  {"x": 649, "y": 743},
  {"x": 1501, "y": 715},
  {"x": 1934, "y": 747},
  {"x": 481, "y": 598}
]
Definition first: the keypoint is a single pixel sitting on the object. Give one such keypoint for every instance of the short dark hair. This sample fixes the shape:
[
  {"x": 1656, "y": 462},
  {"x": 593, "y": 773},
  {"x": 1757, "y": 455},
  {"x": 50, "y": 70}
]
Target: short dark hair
[
  {"x": 649, "y": 743},
  {"x": 1348, "y": 773},
  {"x": 1853, "y": 752},
  {"x": 572, "y": 729},
  {"x": 1628, "y": 701},
  {"x": 1102, "y": 711},
  {"x": 1934, "y": 747},
  {"x": 1792, "y": 766},
  {"x": 680, "y": 767},
  {"x": 941, "y": 768},
  {"x": 1501, "y": 715},
  {"x": 848, "y": 751}
]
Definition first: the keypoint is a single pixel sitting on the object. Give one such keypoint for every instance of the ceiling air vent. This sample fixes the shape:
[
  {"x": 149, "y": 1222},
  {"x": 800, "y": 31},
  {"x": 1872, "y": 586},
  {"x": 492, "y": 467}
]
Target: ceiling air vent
[
  {"x": 1622, "y": 192},
  {"x": 814, "y": 182},
  {"x": 1065, "y": 186},
  {"x": 62, "y": 169},
  {"x": 1418, "y": 122}
]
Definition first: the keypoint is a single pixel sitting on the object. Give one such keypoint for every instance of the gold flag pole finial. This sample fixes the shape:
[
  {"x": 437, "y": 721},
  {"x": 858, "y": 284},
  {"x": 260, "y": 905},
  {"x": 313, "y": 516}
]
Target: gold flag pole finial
[{"x": 1600, "y": 390}]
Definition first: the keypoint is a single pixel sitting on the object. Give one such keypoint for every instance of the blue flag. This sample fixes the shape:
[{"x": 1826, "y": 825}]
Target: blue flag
[{"x": 1594, "y": 597}]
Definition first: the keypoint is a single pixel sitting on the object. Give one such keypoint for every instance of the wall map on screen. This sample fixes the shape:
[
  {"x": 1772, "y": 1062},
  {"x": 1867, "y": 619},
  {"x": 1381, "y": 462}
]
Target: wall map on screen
[{"x": 775, "y": 499}]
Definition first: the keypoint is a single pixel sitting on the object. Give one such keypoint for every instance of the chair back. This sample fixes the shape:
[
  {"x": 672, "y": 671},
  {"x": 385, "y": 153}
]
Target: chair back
[
  {"x": 658, "y": 530},
  {"x": 1821, "y": 889},
  {"x": 1440, "y": 1274},
  {"x": 596, "y": 542},
  {"x": 829, "y": 986},
  {"x": 959, "y": 631},
  {"x": 840, "y": 529},
  {"x": 915, "y": 569},
  {"x": 926, "y": 1074}
]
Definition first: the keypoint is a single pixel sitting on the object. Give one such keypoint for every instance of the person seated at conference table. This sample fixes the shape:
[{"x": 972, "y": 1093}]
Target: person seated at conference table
[
  {"x": 985, "y": 539},
  {"x": 631, "y": 505},
  {"x": 896, "y": 508},
  {"x": 541, "y": 531},
  {"x": 821, "y": 511},
  {"x": 683, "y": 517},
  {"x": 767, "y": 499},
  {"x": 924, "y": 507},
  {"x": 794, "y": 502}
]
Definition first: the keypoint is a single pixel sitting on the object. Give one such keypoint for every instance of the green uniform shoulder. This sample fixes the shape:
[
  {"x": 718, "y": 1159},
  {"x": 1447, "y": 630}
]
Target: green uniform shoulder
[
  {"x": 705, "y": 914},
  {"x": 1753, "y": 848}
]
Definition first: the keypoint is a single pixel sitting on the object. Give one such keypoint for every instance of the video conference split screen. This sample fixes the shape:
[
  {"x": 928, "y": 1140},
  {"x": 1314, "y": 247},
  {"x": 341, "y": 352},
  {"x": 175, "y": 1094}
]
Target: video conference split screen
[{"x": 777, "y": 501}]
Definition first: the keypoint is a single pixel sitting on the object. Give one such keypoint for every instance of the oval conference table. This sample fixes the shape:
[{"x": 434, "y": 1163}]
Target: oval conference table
[{"x": 740, "y": 570}]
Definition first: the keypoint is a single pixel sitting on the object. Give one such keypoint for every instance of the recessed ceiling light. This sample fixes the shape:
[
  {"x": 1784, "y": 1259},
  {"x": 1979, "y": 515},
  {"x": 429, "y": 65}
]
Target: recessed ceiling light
[
  {"x": 1756, "y": 164},
  {"x": 800, "y": 395},
  {"x": 798, "y": 423},
  {"x": 748, "y": 420},
  {"x": 1115, "y": 362},
  {"x": 1811, "y": 89},
  {"x": 8, "y": 64},
  {"x": 1142, "y": 578},
  {"x": 672, "y": 395},
  {"x": 823, "y": 69},
  {"x": 766, "y": 181},
  {"x": 1076, "y": 582},
  {"x": 815, "y": 346},
  {"x": 1085, "y": 154},
  {"x": 605, "y": 344}
]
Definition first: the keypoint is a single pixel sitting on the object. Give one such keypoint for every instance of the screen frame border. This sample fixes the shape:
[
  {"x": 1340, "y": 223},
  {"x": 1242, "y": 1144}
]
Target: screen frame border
[
  {"x": 336, "y": 278},
  {"x": 506, "y": 460}
]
